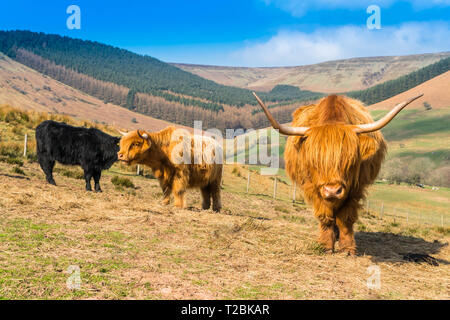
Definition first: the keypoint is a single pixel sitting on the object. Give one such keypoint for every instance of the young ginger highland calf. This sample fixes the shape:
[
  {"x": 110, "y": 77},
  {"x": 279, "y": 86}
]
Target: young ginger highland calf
[
  {"x": 179, "y": 160},
  {"x": 333, "y": 153}
]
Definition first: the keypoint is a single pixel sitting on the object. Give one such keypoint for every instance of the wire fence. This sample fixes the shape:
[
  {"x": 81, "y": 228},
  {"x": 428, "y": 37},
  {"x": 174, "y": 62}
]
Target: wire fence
[
  {"x": 282, "y": 189},
  {"x": 403, "y": 215}
]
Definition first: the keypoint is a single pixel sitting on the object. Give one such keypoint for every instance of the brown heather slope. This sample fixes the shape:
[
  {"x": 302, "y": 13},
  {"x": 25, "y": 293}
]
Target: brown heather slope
[
  {"x": 436, "y": 92},
  {"x": 327, "y": 77},
  {"x": 27, "y": 89}
]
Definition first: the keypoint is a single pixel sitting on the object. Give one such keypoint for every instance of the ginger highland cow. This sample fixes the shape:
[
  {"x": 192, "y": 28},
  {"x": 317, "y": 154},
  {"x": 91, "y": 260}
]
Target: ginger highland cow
[
  {"x": 179, "y": 160},
  {"x": 333, "y": 153}
]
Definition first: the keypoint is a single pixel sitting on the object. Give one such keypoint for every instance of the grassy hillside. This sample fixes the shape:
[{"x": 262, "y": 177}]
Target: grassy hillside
[{"x": 419, "y": 133}]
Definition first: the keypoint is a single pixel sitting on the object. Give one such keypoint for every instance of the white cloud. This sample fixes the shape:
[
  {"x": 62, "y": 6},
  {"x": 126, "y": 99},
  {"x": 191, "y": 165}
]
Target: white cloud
[
  {"x": 288, "y": 48},
  {"x": 299, "y": 7}
]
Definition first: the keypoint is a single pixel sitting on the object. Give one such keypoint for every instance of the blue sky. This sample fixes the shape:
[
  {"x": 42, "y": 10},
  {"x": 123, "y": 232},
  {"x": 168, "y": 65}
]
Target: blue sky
[{"x": 245, "y": 32}]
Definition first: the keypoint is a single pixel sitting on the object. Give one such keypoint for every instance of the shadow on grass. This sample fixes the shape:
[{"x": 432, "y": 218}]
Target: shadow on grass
[
  {"x": 390, "y": 247},
  {"x": 14, "y": 176}
]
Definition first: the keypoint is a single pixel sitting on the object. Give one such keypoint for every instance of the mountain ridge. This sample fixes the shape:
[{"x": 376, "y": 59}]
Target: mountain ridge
[{"x": 372, "y": 70}]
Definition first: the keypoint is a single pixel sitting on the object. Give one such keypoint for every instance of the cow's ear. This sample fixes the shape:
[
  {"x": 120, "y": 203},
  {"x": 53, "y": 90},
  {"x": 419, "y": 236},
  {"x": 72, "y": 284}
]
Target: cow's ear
[
  {"x": 368, "y": 146},
  {"x": 147, "y": 143}
]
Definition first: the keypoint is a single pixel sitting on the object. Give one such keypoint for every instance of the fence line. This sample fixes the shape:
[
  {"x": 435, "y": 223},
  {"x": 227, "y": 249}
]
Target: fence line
[
  {"x": 403, "y": 215},
  {"x": 376, "y": 208},
  {"x": 25, "y": 145}
]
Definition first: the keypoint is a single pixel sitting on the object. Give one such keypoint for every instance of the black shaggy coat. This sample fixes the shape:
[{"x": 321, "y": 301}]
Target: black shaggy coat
[{"x": 89, "y": 148}]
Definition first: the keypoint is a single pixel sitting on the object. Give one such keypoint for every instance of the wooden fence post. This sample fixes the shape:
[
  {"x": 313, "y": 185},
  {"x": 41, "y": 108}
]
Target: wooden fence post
[
  {"x": 381, "y": 210},
  {"x": 293, "y": 197},
  {"x": 275, "y": 188},
  {"x": 248, "y": 180},
  {"x": 25, "y": 145}
]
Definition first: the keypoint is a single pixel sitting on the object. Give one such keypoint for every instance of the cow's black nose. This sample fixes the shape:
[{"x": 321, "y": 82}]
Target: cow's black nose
[{"x": 332, "y": 191}]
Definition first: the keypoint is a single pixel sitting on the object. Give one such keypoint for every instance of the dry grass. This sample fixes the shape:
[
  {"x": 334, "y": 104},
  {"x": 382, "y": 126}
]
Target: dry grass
[{"x": 129, "y": 246}]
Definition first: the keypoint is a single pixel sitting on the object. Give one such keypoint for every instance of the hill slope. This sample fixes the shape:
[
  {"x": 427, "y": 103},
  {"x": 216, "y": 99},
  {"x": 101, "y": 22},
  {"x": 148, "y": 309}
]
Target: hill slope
[
  {"x": 328, "y": 77},
  {"x": 436, "y": 92},
  {"x": 136, "y": 72},
  {"x": 25, "y": 88}
]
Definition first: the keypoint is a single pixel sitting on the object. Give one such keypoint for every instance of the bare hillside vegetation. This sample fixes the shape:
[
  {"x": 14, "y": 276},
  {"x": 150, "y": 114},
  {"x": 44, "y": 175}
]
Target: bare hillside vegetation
[{"x": 327, "y": 77}]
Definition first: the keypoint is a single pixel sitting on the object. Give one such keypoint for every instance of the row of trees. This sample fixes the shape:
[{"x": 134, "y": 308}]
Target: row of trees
[
  {"x": 419, "y": 170},
  {"x": 155, "y": 106},
  {"x": 140, "y": 73},
  {"x": 106, "y": 91}
]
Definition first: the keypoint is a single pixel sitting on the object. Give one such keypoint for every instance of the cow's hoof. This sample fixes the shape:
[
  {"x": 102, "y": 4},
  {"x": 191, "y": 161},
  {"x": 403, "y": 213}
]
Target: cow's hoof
[
  {"x": 98, "y": 190},
  {"x": 349, "y": 252}
]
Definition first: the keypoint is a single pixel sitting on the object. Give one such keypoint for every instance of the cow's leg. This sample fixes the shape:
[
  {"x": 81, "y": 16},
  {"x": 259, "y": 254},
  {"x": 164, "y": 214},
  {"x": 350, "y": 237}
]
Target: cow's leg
[
  {"x": 345, "y": 219},
  {"x": 166, "y": 190},
  {"x": 206, "y": 197},
  {"x": 216, "y": 189},
  {"x": 179, "y": 192},
  {"x": 216, "y": 198},
  {"x": 327, "y": 236},
  {"x": 180, "y": 198},
  {"x": 87, "y": 177},
  {"x": 327, "y": 225},
  {"x": 97, "y": 176},
  {"x": 47, "y": 167}
]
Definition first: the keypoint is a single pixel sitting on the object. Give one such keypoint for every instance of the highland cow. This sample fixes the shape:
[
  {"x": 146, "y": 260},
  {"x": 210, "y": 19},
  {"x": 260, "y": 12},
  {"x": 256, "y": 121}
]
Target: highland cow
[
  {"x": 171, "y": 154},
  {"x": 334, "y": 153},
  {"x": 89, "y": 148}
]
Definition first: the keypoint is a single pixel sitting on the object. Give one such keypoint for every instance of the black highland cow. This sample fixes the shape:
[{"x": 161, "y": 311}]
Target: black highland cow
[{"x": 90, "y": 148}]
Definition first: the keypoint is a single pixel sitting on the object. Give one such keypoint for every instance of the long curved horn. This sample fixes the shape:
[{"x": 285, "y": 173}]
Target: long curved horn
[
  {"x": 377, "y": 125},
  {"x": 287, "y": 130},
  {"x": 122, "y": 133}
]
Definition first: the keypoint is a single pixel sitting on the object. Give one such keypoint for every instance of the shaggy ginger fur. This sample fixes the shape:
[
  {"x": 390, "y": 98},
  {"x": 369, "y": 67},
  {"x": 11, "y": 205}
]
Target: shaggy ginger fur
[
  {"x": 332, "y": 154},
  {"x": 170, "y": 154}
]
